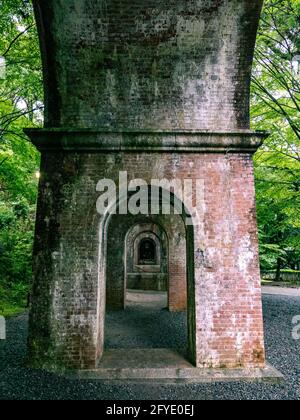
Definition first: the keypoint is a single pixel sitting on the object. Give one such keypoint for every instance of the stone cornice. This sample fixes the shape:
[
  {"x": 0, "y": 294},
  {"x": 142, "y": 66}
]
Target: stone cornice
[{"x": 148, "y": 141}]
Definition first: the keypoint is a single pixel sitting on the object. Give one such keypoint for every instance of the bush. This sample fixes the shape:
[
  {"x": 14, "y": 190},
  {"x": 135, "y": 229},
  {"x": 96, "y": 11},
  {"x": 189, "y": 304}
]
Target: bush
[{"x": 16, "y": 239}]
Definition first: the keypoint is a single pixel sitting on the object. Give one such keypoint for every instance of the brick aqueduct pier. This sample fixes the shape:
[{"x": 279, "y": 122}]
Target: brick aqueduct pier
[{"x": 159, "y": 89}]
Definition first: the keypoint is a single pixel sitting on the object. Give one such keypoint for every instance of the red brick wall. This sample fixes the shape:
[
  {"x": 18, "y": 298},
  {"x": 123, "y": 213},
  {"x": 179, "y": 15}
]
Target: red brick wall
[
  {"x": 169, "y": 66},
  {"x": 228, "y": 314},
  {"x": 172, "y": 64}
]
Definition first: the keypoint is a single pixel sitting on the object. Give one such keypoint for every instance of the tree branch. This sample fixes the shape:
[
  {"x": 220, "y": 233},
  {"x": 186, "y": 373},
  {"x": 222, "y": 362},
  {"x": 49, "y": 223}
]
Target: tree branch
[{"x": 16, "y": 39}]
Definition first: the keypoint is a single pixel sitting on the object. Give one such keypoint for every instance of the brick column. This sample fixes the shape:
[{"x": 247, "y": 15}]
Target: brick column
[
  {"x": 159, "y": 89},
  {"x": 224, "y": 297}
]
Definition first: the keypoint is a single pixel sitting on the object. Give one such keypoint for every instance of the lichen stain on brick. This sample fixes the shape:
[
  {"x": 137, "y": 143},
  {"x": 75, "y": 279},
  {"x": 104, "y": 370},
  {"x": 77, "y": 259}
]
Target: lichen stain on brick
[{"x": 246, "y": 254}]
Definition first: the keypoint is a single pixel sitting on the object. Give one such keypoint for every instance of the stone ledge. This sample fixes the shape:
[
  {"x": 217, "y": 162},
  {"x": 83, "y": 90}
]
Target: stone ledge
[
  {"x": 159, "y": 141},
  {"x": 167, "y": 366}
]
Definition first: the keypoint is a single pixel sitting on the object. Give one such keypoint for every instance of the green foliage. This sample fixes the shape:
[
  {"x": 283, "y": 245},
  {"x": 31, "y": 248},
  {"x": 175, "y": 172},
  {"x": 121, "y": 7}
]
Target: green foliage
[
  {"x": 21, "y": 90},
  {"x": 16, "y": 237},
  {"x": 275, "y": 108},
  {"x": 21, "y": 106}
]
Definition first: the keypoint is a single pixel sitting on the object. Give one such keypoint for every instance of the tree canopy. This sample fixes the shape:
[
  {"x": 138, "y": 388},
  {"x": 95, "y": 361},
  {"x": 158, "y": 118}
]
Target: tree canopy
[
  {"x": 21, "y": 104},
  {"x": 275, "y": 108}
]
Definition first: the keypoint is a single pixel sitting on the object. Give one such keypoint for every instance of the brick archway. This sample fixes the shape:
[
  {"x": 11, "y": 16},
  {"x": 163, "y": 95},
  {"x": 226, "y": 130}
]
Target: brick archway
[
  {"x": 128, "y": 90},
  {"x": 172, "y": 227},
  {"x": 141, "y": 274},
  {"x": 181, "y": 281}
]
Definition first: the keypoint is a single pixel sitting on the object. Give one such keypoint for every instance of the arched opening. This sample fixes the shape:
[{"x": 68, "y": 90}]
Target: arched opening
[
  {"x": 146, "y": 255},
  {"x": 147, "y": 252},
  {"x": 147, "y": 272},
  {"x": 147, "y": 265}
]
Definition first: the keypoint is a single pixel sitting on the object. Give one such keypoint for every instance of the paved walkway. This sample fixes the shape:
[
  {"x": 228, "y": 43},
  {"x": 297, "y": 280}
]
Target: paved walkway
[
  {"x": 281, "y": 291},
  {"x": 160, "y": 299}
]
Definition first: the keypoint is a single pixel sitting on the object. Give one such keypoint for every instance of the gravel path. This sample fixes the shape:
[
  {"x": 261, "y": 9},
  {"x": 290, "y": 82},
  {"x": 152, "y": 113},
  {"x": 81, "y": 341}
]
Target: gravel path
[{"x": 154, "y": 328}]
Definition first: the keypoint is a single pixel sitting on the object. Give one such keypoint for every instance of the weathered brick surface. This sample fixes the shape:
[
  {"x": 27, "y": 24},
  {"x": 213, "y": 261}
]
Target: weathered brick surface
[
  {"x": 148, "y": 63},
  {"x": 141, "y": 66},
  {"x": 229, "y": 330}
]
